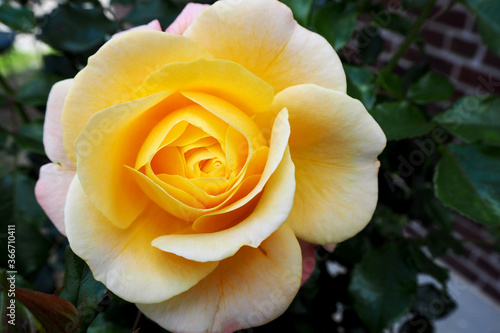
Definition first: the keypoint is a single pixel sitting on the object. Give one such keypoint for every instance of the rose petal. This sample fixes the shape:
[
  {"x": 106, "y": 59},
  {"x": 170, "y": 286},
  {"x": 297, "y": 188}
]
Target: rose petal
[
  {"x": 52, "y": 128},
  {"x": 51, "y": 190},
  {"x": 186, "y": 17},
  {"x": 153, "y": 25},
  {"x": 227, "y": 80},
  {"x": 270, "y": 213},
  {"x": 329, "y": 247},
  {"x": 335, "y": 155},
  {"x": 118, "y": 69},
  {"x": 308, "y": 260},
  {"x": 262, "y": 36},
  {"x": 105, "y": 146},
  {"x": 249, "y": 289},
  {"x": 123, "y": 259}
]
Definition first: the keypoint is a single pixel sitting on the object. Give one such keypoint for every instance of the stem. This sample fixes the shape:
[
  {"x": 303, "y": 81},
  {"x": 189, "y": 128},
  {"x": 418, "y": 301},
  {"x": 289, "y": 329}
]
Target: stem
[
  {"x": 136, "y": 322},
  {"x": 17, "y": 106},
  {"x": 411, "y": 35}
]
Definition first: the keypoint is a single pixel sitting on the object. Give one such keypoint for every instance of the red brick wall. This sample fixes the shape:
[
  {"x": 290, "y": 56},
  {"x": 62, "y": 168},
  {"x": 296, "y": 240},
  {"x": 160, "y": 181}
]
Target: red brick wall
[{"x": 455, "y": 50}]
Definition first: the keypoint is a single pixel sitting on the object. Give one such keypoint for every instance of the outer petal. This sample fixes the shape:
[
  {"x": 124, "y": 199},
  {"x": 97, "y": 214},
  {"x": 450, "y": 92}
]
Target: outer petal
[
  {"x": 308, "y": 260},
  {"x": 52, "y": 131},
  {"x": 330, "y": 247},
  {"x": 335, "y": 155},
  {"x": 124, "y": 260},
  {"x": 186, "y": 17},
  {"x": 269, "y": 214},
  {"x": 115, "y": 72},
  {"x": 249, "y": 289},
  {"x": 51, "y": 191},
  {"x": 262, "y": 36},
  {"x": 153, "y": 25}
]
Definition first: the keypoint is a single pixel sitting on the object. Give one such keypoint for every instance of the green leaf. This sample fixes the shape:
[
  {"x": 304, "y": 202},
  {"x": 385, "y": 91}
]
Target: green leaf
[
  {"x": 352, "y": 250},
  {"x": 435, "y": 212},
  {"x": 54, "y": 313},
  {"x": 388, "y": 223},
  {"x": 18, "y": 18},
  {"x": 382, "y": 287},
  {"x": 489, "y": 37},
  {"x": 473, "y": 119},
  {"x": 36, "y": 91},
  {"x": 18, "y": 206},
  {"x": 101, "y": 325},
  {"x": 487, "y": 12},
  {"x": 82, "y": 290},
  {"x": 431, "y": 88},
  {"x": 336, "y": 22},
  {"x": 391, "y": 83},
  {"x": 30, "y": 137},
  {"x": 370, "y": 44},
  {"x": 301, "y": 10},
  {"x": 414, "y": 4},
  {"x": 146, "y": 11},
  {"x": 4, "y": 135},
  {"x": 387, "y": 20},
  {"x": 466, "y": 180},
  {"x": 360, "y": 85},
  {"x": 400, "y": 120},
  {"x": 432, "y": 302},
  {"x": 439, "y": 242},
  {"x": 425, "y": 265},
  {"x": 75, "y": 29}
]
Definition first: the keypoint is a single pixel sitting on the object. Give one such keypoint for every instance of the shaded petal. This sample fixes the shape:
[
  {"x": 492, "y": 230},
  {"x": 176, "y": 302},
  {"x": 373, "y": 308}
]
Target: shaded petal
[
  {"x": 335, "y": 154},
  {"x": 105, "y": 146},
  {"x": 332, "y": 203},
  {"x": 153, "y": 25},
  {"x": 52, "y": 128},
  {"x": 123, "y": 259},
  {"x": 186, "y": 17},
  {"x": 51, "y": 190},
  {"x": 115, "y": 72},
  {"x": 262, "y": 36},
  {"x": 329, "y": 247},
  {"x": 249, "y": 289},
  {"x": 308, "y": 260}
]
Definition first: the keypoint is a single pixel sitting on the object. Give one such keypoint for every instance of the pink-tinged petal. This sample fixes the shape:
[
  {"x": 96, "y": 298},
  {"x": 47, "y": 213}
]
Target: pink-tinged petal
[
  {"x": 51, "y": 190},
  {"x": 52, "y": 131},
  {"x": 329, "y": 247},
  {"x": 246, "y": 290},
  {"x": 185, "y": 18},
  {"x": 153, "y": 25},
  {"x": 308, "y": 259}
]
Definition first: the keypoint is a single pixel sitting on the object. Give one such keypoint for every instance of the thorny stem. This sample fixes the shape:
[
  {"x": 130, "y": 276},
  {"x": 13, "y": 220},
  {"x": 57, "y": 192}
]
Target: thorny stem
[{"x": 411, "y": 35}]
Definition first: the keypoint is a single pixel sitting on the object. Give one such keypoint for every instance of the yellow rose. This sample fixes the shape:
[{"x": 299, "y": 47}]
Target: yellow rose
[{"x": 188, "y": 163}]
